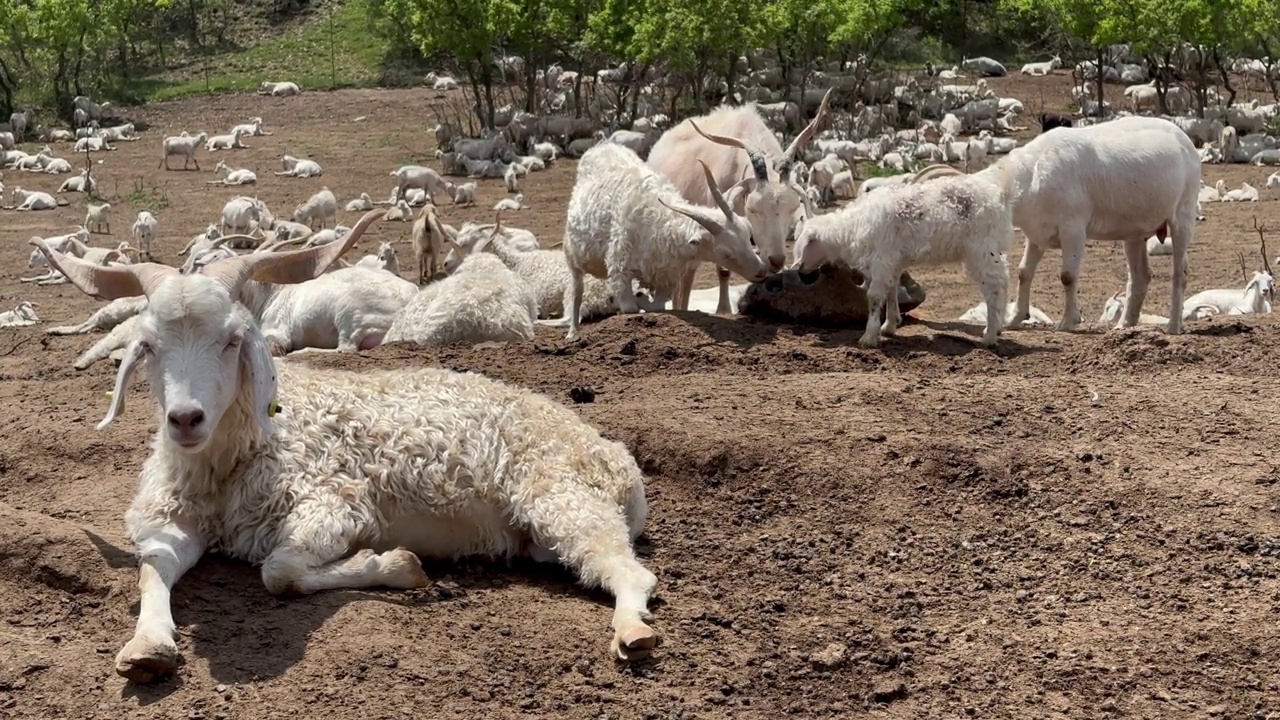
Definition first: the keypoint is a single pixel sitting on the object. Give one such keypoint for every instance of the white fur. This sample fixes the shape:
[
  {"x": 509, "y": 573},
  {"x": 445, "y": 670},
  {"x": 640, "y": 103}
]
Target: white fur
[
  {"x": 184, "y": 145},
  {"x": 1120, "y": 181},
  {"x": 953, "y": 219},
  {"x": 482, "y": 301},
  {"x": 322, "y": 207},
  {"x": 303, "y": 168},
  {"x": 627, "y": 222}
]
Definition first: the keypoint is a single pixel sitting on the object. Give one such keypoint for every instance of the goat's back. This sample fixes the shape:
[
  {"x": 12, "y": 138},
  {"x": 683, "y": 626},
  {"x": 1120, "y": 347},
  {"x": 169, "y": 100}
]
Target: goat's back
[
  {"x": 1125, "y": 177},
  {"x": 675, "y": 153}
]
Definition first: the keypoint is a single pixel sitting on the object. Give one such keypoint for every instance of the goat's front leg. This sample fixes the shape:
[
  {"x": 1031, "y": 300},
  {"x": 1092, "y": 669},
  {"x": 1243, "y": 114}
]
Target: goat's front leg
[
  {"x": 723, "y": 305},
  {"x": 165, "y": 554},
  {"x": 314, "y": 555}
]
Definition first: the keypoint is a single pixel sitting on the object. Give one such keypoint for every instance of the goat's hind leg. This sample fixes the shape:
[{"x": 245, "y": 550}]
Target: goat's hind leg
[
  {"x": 1135, "y": 252},
  {"x": 587, "y": 533},
  {"x": 1180, "y": 234},
  {"x": 313, "y": 556},
  {"x": 991, "y": 274}
]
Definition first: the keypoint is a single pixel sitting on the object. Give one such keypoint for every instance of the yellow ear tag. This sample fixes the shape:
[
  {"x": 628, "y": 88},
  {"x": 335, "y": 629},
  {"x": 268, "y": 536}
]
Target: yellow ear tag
[
  {"x": 273, "y": 407},
  {"x": 109, "y": 394}
]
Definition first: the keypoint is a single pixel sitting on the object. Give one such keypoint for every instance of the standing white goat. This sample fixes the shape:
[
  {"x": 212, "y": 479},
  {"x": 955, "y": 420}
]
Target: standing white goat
[
  {"x": 184, "y": 145},
  {"x": 144, "y": 231},
  {"x": 626, "y": 221},
  {"x": 351, "y": 504},
  {"x": 963, "y": 219},
  {"x": 1122, "y": 180},
  {"x": 740, "y": 141}
]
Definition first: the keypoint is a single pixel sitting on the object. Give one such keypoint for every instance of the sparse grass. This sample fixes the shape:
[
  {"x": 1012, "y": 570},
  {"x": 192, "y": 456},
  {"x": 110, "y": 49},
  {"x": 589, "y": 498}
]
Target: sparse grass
[
  {"x": 151, "y": 199},
  {"x": 871, "y": 170},
  {"x": 300, "y": 54}
]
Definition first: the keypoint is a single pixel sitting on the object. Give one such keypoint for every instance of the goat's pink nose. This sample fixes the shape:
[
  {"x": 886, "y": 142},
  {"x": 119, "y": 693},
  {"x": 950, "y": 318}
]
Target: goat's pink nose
[
  {"x": 777, "y": 261},
  {"x": 186, "y": 418}
]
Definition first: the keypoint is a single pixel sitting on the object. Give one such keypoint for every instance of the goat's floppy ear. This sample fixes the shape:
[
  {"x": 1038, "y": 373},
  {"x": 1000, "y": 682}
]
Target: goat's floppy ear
[
  {"x": 256, "y": 359},
  {"x": 132, "y": 355}
]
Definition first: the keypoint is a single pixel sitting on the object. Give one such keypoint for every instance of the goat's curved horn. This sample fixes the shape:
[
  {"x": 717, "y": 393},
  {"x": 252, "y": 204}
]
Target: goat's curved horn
[
  {"x": 715, "y": 192},
  {"x": 818, "y": 123},
  {"x": 103, "y": 281},
  {"x": 696, "y": 216},
  {"x": 759, "y": 164},
  {"x": 287, "y": 267}
]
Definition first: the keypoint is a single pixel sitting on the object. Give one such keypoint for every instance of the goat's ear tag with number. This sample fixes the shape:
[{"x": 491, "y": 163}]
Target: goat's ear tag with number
[{"x": 273, "y": 407}]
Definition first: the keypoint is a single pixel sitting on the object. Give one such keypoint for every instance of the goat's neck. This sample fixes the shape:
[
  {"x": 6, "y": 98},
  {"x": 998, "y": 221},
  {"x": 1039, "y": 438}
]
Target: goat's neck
[{"x": 256, "y": 296}]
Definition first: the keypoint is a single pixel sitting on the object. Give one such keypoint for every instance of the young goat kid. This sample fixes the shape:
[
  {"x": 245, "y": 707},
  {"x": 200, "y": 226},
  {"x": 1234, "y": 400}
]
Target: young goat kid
[
  {"x": 484, "y": 468},
  {"x": 955, "y": 219}
]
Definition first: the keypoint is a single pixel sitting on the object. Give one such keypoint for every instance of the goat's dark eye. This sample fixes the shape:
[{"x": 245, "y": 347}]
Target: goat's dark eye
[{"x": 146, "y": 348}]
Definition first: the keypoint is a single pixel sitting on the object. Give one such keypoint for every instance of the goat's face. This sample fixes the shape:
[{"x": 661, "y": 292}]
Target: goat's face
[
  {"x": 1264, "y": 284},
  {"x": 811, "y": 252},
  {"x": 197, "y": 343},
  {"x": 770, "y": 208}
]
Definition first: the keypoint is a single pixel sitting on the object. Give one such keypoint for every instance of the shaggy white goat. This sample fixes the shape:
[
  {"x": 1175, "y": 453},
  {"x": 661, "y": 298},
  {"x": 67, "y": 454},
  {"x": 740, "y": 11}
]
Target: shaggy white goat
[
  {"x": 963, "y": 219},
  {"x": 97, "y": 217},
  {"x": 1121, "y": 180},
  {"x": 482, "y": 301},
  {"x": 184, "y": 145},
  {"x": 400, "y": 211},
  {"x": 302, "y": 168},
  {"x": 320, "y": 206},
  {"x": 228, "y": 457},
  {"x": 628, "y": 222}
]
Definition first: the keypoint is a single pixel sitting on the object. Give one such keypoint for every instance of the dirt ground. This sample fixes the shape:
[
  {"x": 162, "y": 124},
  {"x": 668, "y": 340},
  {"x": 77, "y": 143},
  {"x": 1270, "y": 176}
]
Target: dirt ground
[{"x": 1074, "y": 525}]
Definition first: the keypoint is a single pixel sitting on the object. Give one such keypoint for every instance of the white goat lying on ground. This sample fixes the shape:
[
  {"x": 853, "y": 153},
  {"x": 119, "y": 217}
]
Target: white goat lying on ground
[
  {"x": 1255, "y": 298},
  {"x": 978, "y": 315},
  {"x": 21, "y": 316},
  {"x": 627, "y": 222},
  {"x": 233, "y": 176},
  {"x": 1115, "y": 305},
  {"x": 482, "y": 301},
  {"x": 526, "y": 477},
  {"x": 964, "y": 219},
  {"x": 302, "y": 168},
  {"x": 104, "y": 318}
]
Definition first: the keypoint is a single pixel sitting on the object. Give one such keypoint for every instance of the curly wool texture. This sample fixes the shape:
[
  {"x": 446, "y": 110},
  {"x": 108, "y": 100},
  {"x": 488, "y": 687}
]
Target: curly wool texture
[
  {"x": 447, "y": 464},
  {"x": 482, "y": 301}
]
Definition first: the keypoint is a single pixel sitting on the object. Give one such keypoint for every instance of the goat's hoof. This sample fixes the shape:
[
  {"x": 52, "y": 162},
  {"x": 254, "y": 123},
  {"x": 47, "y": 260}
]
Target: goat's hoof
[
  {"x": 403, "y": 570},
  {"x": 145, "y": 660},
  {"x": 869, "y": 343},
  {"x": 634, "y": 644}
]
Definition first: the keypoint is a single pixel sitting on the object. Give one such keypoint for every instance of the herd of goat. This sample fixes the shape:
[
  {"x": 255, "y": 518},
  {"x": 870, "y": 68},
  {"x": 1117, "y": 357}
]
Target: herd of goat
[{"x": 334, "y": 479}]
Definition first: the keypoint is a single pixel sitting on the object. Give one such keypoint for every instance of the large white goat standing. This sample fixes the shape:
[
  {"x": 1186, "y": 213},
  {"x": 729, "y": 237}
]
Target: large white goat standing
[{"x": 768, "y": 198}]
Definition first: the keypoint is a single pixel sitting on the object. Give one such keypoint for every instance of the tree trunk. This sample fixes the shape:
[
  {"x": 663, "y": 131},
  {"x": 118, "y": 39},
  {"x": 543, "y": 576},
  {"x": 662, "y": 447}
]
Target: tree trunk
[
  {"x": 1226, "y": 77},
  {"x": 731, "y": 77},
  {"x": 7, "y": 88}
]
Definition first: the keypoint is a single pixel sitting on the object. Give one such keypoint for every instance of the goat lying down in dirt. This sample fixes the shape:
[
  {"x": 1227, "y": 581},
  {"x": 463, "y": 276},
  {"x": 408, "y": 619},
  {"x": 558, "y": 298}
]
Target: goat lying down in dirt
[{"x": 351, "y": 476}]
